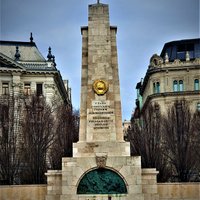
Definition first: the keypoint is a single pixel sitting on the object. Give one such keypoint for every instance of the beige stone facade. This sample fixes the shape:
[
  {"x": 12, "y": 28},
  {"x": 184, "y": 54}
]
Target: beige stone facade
[
  {"x": 23, "y": 192},
  {"x": 179, "y": 191},
  {"x": 166, "y": 191},
  {"x": 24, "y": 71},
  {"x": 141, "y": 183},
  {"x": 173, "y": 77},
  {"x": 127, "y": 167}
]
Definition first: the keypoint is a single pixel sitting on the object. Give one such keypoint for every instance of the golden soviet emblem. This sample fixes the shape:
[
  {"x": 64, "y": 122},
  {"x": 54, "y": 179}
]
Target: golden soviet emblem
[{"x": 100, "y": 87}]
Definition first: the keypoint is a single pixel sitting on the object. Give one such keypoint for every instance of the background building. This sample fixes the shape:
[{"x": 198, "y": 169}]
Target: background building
[
  {"x": 31, "y": 93},
  {"x": 24, "y": 71},
  {"x": 126, "y": 125},
  {"x": 173, "y": 75}
]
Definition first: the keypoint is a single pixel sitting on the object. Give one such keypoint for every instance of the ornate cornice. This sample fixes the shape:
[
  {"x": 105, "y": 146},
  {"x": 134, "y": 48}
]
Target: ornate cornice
[
  {"x": 43, "y": 66},
  {"x": 169, "y": 94},
  {"x": 157, "y": 65}
]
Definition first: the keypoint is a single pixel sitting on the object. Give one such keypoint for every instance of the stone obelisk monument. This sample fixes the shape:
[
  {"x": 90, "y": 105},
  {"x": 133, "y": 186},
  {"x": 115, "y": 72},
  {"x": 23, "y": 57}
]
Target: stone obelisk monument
[
  {"x": 100, "y": 110},
  {"x": 101, "y": 167}
]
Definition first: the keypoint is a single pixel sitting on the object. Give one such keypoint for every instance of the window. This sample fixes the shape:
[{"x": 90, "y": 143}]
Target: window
[
  {"x": 198, "y": 106},
  {"x": 39, "y": 89},
  {"x": 156, "y": 87},
  {"x": 5, "y": 88},
  {"x": 178, "y": 86},
  {"x": 196, "y": 84},
  {"x": 190, "y": 49},
  {"x": 181, "y": 51},
  {"x": 183, "y": 48},
  {"x": 175, "y": 86},
  {"x": 27, "y": 88},
  {"x": 181, "y": 85},
  {"x": 169, "y": 52}
]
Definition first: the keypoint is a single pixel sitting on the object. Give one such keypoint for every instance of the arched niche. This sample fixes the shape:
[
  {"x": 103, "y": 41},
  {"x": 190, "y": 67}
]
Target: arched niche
[{"x": 101, "y": 181}]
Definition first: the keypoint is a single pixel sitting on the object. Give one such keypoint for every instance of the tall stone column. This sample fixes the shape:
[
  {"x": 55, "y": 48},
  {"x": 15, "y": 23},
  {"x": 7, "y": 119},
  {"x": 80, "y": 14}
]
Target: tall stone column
[
  {"x": 101, "y": 167},
  {"x": 100, "y": 110}
]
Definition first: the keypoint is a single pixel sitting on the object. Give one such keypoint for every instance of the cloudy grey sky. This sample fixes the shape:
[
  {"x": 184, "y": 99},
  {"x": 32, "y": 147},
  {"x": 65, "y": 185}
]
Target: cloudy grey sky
[{"x": 143, "y": 28}]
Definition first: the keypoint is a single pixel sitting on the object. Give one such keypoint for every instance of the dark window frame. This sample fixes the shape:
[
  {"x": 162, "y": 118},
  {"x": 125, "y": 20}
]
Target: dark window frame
[
  {"x": 39, "y": 89},
  {"x": 178, "y": 85},
  {"x": 198, "y": 106},
  {"x": 27, "y": 88},
  {"x": 156, "y": 87},
  {"x": 5, "y": 88},
  {"x": 183, "y": 48},
  {"x": 196, "y": 84}
]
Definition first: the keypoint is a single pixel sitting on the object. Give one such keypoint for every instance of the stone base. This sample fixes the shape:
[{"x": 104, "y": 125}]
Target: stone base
[
  {"x": 89, "y": 149},
  {"x": 141, "y": 184},
  {"x": 54, "y": 184}
]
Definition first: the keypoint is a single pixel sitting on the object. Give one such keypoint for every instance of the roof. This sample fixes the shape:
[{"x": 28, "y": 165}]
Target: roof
[
  {"x": 177, "y": 49},
  {"x": 29, "y": 61},
  {"x": 184, "y": 41},
  {"x": 30, "y": 57},
  {"x": 28, "y": 50},
  {"x": 7, "y": 63}
]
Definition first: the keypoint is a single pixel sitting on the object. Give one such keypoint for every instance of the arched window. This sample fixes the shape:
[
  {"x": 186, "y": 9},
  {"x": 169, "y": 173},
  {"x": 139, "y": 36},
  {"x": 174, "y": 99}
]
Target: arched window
[
  {"x": 178, "y": 85},
  {"x": 156, "y": 87},
  {"x": 175, "y": 86},
  {"x": 196, "y": 84},
  {"x": 181, "y": 85},
  {"x": 101, "y": 181},
  {"x": 198, "y": 106}
]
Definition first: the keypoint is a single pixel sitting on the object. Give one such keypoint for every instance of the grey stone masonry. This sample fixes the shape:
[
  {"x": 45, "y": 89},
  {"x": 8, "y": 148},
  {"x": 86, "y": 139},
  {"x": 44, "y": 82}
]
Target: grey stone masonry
[
  {"x": 101, "y": 144},
  {"x": 100, "y": 115}
]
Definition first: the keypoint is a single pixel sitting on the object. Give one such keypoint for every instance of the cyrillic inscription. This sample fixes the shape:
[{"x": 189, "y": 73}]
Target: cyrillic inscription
[{"x": 100, "y": 116}]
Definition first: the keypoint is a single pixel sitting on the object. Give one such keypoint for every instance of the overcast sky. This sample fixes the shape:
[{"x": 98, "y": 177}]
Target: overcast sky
[{"x": 143, "y": 28}]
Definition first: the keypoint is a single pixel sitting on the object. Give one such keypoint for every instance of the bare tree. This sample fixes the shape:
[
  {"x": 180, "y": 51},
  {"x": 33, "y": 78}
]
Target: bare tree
[
  {"x": 196, "y": 141},
  {"x": 66, "y": 134},
  {"x": 32, "y": 137},
  {"x": 181, "y": 135},
  {"x": 196, "y": 129},
  {"x": 38, "y": 136},
  {"x": 146, "y": 140},
  {"x": 10, "y": 109}
]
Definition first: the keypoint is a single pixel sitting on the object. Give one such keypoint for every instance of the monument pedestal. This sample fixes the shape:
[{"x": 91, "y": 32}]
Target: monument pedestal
[
  {"x": 101, "y": 167},
  {"x": 128, "y": 168},
  {"x": 111, "y": 148},
  {"x": 141, "y": 183}
]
